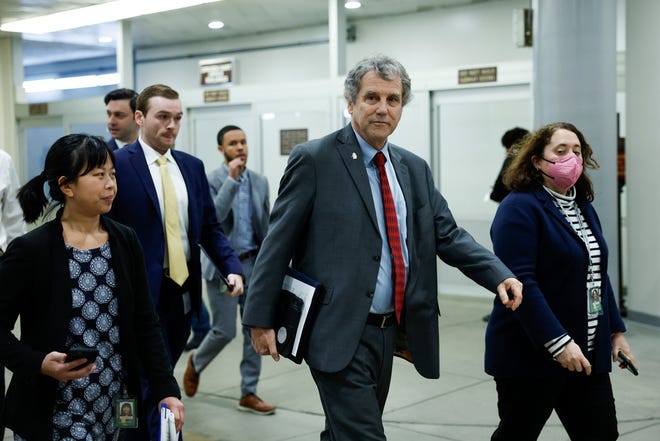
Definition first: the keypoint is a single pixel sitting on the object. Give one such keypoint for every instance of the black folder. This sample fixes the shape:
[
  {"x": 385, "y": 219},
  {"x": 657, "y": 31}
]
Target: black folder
[{"x": 296, "y": 310}]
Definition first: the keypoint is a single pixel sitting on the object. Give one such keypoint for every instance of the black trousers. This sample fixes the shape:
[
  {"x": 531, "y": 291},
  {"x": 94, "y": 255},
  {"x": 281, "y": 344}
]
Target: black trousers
[
  {"x": 584, "y": 405},
  {"x": 2, "y": 396},
  {"x": 353, "y": 398}
]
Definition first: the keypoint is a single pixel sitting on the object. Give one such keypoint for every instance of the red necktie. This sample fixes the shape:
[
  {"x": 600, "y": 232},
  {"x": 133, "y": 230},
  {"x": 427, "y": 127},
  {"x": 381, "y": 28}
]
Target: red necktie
[{"x": 393, "y": 236}]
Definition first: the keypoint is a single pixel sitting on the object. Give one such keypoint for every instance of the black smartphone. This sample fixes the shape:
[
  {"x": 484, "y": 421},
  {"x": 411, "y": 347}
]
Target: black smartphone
[
  {"x": 78, "y": 352},
  {"x": 625, "y": 362}
]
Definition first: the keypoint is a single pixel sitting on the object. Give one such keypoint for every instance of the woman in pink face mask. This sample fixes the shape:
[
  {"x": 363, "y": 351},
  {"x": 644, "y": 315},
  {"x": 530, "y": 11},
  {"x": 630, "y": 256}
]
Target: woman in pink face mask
[
  {"x": 556, "y": 351},
  {"x": 561, "y": 161}
]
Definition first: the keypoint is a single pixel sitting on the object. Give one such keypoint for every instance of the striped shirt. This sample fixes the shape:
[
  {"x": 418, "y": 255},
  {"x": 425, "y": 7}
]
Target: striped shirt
[{"x": 567, "y": 205}]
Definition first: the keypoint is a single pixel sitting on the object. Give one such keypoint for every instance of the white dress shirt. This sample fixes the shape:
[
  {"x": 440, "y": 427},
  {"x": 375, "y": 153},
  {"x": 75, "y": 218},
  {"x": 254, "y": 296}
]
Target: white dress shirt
[
  {"x": 11, "y": 214},
  {"x": 151, "y": 156}
]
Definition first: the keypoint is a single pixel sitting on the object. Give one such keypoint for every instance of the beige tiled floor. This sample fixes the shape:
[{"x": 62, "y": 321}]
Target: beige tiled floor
[{"x": 460, "y": 406}]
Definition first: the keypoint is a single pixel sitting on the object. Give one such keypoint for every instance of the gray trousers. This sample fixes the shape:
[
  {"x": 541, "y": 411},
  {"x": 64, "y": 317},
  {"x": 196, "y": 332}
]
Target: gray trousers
[
  {"x": 223, "y": 330},
  {"x": 353, "y": 399}
]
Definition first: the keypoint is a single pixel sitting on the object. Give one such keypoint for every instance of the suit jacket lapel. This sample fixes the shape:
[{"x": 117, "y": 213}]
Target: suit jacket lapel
[
  {"x": 188, "y": 178},
  {"x": 552, "y": 209},
  {"x": 139, "y": 164},
  {"x": 351, "y": 154}
]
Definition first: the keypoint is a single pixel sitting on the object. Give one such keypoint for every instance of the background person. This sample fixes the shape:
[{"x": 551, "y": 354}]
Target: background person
[
  {"x": 11, "y": 226},
  {"x": 77, "y": 280},
  {"x": 120, "y": 108},
  {"x": 555, "y": 351},
  {"x": 242, "y": 205},
  {"x": 166, "y": 199},
  {"x": 367, "y": 231},
  {"x": 510, "y": 137}
]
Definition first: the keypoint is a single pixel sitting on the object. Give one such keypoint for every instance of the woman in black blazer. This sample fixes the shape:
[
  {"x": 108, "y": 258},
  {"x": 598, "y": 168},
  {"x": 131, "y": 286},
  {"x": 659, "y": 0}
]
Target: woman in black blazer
[
  {"x": 78, "y": 280},
  {"x": 556, "y": 350}
]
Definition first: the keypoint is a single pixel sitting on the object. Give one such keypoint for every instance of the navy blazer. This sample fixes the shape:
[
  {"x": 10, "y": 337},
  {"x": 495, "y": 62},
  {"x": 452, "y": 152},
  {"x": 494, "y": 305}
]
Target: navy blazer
[
  {"x": 112, "y": 143},
  {"x": 324, "y": 220},
  {"x": 136, "y": 205},
  {"x": 533, "y": 238},
  {"x": 34, "y": 275}
]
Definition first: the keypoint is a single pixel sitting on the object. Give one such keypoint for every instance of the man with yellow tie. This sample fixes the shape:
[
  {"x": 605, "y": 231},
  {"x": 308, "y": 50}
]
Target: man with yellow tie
[{"x": 164, "y": 195}]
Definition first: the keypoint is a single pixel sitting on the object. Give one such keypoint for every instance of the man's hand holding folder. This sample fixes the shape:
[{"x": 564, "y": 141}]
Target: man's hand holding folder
[
  {"x": 263, "y": 342},
  {"x": 296, "y": 310}
]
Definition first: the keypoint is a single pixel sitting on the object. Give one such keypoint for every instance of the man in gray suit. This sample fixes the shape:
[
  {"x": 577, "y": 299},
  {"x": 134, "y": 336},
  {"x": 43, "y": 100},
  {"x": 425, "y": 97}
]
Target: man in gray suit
[
  {"x": 242, "y": 206},
  {"x": 329, "y": 222}
]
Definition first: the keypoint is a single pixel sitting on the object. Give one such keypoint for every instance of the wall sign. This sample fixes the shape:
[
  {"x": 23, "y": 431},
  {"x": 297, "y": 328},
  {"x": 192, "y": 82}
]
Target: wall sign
[
  {"x": 216, "y": 96},
  {"x": 289, "y": 138},
  {"x": 477, "y": 75},
  {"x": 38, "y": 109},
  {"x": 216, "y": 71}
]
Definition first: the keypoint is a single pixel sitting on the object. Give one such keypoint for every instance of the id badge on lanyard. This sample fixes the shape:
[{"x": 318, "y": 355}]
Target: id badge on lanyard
[
  {"x": 594, "y": 299},
  {"x": 125, "y": 410}
]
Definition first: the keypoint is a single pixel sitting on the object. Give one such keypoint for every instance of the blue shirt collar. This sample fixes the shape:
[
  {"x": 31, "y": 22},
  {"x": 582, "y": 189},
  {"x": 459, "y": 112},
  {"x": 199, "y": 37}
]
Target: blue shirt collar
[{"x": 368, "y": 151}]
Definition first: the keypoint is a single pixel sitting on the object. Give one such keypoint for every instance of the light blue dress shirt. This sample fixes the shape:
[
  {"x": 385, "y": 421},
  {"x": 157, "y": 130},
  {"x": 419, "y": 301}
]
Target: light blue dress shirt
[
  {"x": 382, "y": 302},
  {"x": 242, "y": 237}
]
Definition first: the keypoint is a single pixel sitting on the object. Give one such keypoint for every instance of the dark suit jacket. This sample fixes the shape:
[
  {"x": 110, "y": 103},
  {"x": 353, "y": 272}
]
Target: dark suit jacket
[
  {"x": 34, "y": 275},
  {"x": 324, "y": 219},
  {"x": 223, "y": 197},
  {"x": 136, "y": 205},
  {"x": 112, "y": 144},
  {"x": 534, "y": 239}
]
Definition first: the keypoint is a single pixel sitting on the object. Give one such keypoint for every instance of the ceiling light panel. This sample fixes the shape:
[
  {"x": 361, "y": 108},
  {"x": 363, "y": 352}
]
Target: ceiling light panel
[{"x": 102, "y": 13}]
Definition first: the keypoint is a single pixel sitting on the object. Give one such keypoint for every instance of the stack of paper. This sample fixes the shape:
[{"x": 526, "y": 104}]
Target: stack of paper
[{"x": 167, "y": 427}]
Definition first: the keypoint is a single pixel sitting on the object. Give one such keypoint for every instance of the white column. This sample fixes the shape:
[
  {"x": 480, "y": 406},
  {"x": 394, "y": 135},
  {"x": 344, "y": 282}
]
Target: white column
[
  {"x": 642, "y": 159},
  {"x": 575, "y": 81},
  {"x": 125, "y": 62},
  {"x": 337, "y": 37},
  {"x": 8, "y": 136}
]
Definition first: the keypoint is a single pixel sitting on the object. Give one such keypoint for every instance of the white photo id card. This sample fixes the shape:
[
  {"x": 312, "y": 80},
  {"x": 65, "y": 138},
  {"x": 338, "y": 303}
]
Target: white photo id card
[{"x": 594, "y": 299}]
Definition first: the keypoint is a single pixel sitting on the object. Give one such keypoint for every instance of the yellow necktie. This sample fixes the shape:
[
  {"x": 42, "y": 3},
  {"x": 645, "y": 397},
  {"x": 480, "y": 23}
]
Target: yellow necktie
[{"x": 177, "y": 258}]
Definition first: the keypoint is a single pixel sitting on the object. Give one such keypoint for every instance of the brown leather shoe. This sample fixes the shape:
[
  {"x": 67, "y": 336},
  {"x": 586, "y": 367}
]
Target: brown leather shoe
[
  {"x": 254, "y": 404},
  {"x": 190, "y": 378}
]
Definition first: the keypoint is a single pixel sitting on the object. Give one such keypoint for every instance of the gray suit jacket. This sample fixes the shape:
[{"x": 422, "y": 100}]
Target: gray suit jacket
[
  {"x": 223, "y": 193},
  {"x": 324, "y": 221}
]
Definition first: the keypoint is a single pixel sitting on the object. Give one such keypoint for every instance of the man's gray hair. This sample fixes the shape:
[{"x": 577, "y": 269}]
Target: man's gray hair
[{"x": 387, "y": 68}]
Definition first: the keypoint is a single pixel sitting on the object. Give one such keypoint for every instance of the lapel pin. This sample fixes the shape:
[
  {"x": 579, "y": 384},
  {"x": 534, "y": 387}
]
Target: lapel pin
[{"x": 354, "y": 155}]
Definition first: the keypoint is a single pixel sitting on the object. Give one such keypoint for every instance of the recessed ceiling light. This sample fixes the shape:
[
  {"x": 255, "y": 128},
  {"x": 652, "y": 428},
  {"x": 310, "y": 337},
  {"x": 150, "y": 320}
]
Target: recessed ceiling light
[
  {"x": 216, "y": 24},
  {"x": 105, "y": 39},
  {"x": 100, "y": 13},
  {"x": 351, "y": 4}
]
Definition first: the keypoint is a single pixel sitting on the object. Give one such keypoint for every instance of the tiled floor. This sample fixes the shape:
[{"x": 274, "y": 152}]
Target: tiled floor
[{"x": 460, "y": 406}]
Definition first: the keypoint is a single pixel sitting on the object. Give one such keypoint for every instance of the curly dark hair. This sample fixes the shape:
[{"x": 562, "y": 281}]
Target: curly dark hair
[{"x": 523, "y": 176}]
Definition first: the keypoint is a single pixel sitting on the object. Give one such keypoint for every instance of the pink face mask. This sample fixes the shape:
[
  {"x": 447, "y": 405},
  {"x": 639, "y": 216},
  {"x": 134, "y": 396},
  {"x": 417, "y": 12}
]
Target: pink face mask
[{"x": 564, "y": 171}]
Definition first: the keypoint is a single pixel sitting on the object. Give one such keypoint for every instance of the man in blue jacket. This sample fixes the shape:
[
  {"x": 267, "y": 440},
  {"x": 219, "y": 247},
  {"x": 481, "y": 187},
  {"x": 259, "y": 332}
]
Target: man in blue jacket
[{"x": 148, "y": 171}]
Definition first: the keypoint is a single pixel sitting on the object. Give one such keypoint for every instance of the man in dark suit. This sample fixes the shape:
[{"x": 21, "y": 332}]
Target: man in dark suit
[
  {"x": 142, "y": 170},
  {"x": 334, "y": 220},
  {"x": 120, "y": 108}
]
